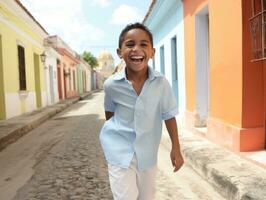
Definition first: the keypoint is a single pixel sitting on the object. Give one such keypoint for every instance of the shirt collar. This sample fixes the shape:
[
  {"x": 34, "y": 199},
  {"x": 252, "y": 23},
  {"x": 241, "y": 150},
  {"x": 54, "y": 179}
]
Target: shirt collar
[{"x": 152, "y": 74}]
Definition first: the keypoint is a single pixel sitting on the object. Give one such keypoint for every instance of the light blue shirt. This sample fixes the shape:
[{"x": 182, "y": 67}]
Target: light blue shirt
[{"x": 136, "y": 126}]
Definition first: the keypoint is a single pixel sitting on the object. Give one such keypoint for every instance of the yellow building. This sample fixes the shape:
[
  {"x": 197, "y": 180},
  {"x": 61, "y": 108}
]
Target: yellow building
[
  {"x": 106, "y": 63},
  {"x": 22, "y": 81},
  {"x": 105, "y": 67}
]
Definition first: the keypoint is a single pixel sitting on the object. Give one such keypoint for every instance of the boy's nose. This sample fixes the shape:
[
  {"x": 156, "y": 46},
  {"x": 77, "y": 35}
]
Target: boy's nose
[{"x": 136, "y": 48}]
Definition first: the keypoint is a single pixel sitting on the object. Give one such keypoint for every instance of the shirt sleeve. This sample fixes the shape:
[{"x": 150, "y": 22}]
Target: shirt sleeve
[
  {"x": 109, "y": 105},
  {"x": 169, "y": 105}
]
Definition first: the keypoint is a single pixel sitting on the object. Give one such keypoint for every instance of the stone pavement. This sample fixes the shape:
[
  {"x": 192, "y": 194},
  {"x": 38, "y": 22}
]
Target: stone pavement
[
  {"x": 74, "y": 168},
  {"x": 233, "y": 177}
]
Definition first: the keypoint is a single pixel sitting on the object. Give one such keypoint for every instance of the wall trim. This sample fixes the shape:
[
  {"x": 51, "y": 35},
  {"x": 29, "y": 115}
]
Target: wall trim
[{"x": 20, "y": 32}]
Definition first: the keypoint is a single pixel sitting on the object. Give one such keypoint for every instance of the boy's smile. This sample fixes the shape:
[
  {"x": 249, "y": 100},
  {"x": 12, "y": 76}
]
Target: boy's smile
[{"x": 136, "y": 50}]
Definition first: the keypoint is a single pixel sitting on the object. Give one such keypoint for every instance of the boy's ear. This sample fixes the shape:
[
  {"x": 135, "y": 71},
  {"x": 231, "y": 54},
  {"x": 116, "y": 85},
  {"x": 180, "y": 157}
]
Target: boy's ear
[
  {"x": 153, "y": 52},
  {"x": 118, "y": 51}
]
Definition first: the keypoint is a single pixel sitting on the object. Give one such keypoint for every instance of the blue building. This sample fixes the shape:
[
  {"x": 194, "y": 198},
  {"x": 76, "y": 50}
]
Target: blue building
[{"x": 165, "y": 20}]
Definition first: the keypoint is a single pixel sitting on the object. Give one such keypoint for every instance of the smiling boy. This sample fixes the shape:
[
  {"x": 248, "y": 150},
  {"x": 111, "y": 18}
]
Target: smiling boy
[{"x": 137, "y": 100}]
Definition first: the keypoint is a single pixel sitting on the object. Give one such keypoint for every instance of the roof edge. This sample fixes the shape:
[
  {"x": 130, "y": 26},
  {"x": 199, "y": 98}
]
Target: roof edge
[
  {"x": 149, "y": 11},
  {"x": 31, "y": 16}
]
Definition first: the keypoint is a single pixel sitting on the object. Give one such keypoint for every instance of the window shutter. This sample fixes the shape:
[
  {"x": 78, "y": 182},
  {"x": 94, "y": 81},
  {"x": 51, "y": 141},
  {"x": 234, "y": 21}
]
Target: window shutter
[{"x": 22, "y": 72}]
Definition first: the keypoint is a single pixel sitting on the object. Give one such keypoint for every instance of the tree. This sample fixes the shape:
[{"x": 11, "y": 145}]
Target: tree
[{"x": 90, "y": 58}]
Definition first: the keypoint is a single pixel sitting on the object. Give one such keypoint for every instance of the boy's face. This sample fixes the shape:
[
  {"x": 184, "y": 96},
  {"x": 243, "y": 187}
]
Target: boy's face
[{"x": 136, "y": 49}]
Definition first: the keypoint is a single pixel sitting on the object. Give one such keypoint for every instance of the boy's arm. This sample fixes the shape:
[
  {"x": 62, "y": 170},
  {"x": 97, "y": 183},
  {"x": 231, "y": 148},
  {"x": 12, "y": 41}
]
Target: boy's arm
[
  {"x": 176, "y": 156},
  {"x": 108, "y": 115}
]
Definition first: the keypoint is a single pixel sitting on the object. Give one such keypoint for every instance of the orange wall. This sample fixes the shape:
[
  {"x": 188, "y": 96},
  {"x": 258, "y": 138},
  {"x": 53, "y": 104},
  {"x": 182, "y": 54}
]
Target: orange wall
[
  {"x": 72, "y": 65},
  {"x": 226, "y": 61},
  {"x": 225, "y": 28}
]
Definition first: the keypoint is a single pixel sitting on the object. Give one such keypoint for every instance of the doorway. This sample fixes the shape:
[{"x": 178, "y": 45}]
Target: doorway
[
  {"x": 174, "y": 68},
  {"x": 202, "y": 67},
  {"x": 37, "y": 80},
  {"x": 59, "y": 82},
  {"x": 51, "y": 75}
]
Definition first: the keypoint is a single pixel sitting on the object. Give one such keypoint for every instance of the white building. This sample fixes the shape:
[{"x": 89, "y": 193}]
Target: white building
[{"x": 51, "y": 80}]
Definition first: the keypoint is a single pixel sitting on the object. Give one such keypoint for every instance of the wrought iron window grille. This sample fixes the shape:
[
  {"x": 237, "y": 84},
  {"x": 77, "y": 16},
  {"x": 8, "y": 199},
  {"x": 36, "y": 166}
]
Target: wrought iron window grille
[{"x": 258, "y": 29}]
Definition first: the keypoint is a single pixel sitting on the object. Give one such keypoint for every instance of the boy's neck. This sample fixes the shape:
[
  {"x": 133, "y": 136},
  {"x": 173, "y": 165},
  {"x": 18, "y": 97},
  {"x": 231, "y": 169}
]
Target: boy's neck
[{"x": 137, "y": 76}]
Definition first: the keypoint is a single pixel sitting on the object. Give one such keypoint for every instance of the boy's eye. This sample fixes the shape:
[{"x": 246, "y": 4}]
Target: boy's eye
[
  {"x": 144, "y": 45},
  {"x": 129, "y": 44}
]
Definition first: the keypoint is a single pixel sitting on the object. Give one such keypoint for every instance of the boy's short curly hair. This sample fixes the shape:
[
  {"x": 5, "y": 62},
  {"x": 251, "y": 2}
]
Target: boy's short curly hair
[{"x": 129, "y": 27}]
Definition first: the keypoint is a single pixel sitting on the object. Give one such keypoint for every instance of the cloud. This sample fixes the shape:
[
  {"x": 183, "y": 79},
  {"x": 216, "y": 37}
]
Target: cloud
[
  {"x": 65, "y": 18},
  {"x": 126, "y": 14},
  {"x": 103, "y": 3}
]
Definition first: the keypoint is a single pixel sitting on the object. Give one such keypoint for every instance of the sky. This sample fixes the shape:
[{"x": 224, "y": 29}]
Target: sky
[{"x": 88, "y": 25}]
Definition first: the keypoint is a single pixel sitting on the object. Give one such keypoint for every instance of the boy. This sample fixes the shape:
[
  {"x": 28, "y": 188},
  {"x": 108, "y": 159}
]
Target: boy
[{"x": 136, "y": 101}]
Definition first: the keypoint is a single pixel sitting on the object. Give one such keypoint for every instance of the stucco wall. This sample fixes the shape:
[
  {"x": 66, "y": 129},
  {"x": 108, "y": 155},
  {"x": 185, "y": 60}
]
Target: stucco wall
[
  {"x": 15, "y": 30},
  {"x": 166, "y": 22},
  {"x": 225, "y": 53}
]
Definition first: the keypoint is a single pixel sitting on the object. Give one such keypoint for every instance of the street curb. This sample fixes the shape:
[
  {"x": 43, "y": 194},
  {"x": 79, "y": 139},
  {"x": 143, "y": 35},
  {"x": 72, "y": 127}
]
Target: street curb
[
  {"x": 12, "y": 129},
  {"x": 84, "y": 96},
  {"x": 232, "y": 176}
]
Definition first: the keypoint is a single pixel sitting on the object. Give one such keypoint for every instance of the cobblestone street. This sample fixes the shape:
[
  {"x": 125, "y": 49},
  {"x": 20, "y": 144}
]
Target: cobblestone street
[{"x": 63, "y": 159}]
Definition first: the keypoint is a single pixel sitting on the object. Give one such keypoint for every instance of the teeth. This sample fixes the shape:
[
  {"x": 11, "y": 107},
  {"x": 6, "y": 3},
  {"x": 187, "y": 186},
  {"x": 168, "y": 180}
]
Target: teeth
[{"x": 137, "y": 57}]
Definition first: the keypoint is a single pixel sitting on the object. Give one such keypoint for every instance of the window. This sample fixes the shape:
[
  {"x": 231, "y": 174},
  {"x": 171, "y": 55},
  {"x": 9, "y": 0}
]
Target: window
[
  {"x": 58, "y": 62},
  {"x": 74, "y": 80},
  {"x": 174, "y": 58},
  {"x": 69, "y": 79},
  {"x": 21, "y": 66},
  {"x": 258, "y": 29},
  {"x": 153, "y": 62},
  {"x": 162, "y": 59}
]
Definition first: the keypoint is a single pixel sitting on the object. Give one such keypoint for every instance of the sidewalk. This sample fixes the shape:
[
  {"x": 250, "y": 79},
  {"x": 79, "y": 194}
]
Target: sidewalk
[
  {"x": 233, "y": 177},
  {"x": 14, "y": 128}
]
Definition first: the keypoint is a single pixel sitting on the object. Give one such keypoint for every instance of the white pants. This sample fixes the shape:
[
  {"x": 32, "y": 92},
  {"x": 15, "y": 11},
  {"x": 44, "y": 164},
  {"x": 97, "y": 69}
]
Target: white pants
[{"x": 131, "y": 184}]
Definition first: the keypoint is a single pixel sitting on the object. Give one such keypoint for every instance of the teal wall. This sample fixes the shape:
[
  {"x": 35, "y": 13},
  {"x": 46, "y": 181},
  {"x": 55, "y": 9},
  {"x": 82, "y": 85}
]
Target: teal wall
[
  {"x": 80, "y": 79},
  {"x": 166, "y": 22}
]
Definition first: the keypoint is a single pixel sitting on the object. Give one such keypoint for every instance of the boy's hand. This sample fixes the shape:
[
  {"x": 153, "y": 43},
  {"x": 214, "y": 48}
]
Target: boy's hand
[
  {"x": 175, "y": 155},
  {"x": 176, "y": 158}
]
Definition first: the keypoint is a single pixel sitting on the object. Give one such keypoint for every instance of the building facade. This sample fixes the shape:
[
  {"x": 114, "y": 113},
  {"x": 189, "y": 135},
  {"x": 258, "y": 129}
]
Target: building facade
[
  {"x": 69, "y": 64},
  {"x": 165, "y": 21},
  {"x": 105, "y": 63},
  {"x": 84, "y": 77},
  {"x": 225, "y": 84},
  {"x": 22, "y": 82},
  {"x": 105, "y": 67},
  {"x": 67, "y": 67},
  {"x": 50, "y": 66}
]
